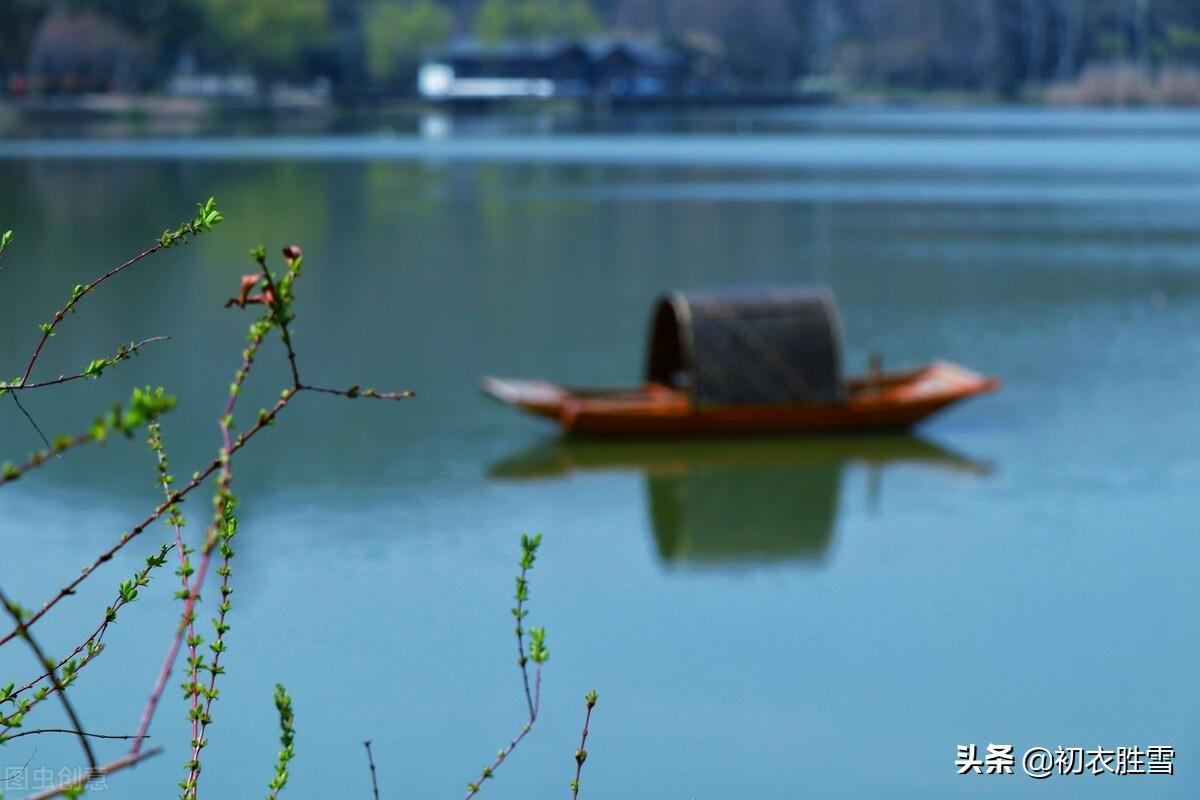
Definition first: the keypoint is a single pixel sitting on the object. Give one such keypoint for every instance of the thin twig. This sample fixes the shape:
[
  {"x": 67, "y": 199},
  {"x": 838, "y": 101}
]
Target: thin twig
[
  {"x": 9, "y": 738},
  {"x": 581, "y": 753},
  {"x": 279, "y": 311},
  {"x": 32, "y": 421},
  {"x": 519, "y": 612},
  {"x": 264, "y": 421},
  {"x": 164, "y": 673},
  {"x": 278, "y": 316},
  {"x": 198, "y": 479},
  {"x": 355, "y": 392},
  {"x": 35, "y": 460},
  {"x": 15, "y": 612},
  {"x": 287, "y": 739},
  {"x": 537, "y": 654},
  {"x": 207, "y": 217},
  {"x": 200, "y": 719},
  {"x": 127, "y": 760},
  {"x": 371, "y": 764},
  {"x": 124, "y": 354},
  {"x": 218, "y": 647},
  {"x": 110, "y": 616},
  {"x": 82, "y": 291},
  {"x": 144, "y": 407},
  {"x": 10, "y": 776},
  {"x": 490, "y": 770}
]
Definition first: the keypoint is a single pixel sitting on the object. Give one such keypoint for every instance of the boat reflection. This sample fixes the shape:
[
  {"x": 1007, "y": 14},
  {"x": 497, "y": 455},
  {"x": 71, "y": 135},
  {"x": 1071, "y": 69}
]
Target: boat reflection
[{"x": 723, "y": 502}]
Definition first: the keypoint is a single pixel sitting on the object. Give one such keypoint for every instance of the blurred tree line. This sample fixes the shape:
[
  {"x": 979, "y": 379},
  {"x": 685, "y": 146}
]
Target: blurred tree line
[{"x": 995, "y": 45}]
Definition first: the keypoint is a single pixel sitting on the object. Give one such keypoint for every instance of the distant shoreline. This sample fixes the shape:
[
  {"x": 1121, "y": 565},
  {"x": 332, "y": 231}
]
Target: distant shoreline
[
  {"x": 167, "y": 106},
  {"x": 299, "y": 107}
]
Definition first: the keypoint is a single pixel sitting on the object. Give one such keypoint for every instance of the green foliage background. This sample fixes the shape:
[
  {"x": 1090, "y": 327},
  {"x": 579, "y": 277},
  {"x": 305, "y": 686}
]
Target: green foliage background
[
  {"x": 983, "y": 44},
  {"x": 397, "y": 34}
]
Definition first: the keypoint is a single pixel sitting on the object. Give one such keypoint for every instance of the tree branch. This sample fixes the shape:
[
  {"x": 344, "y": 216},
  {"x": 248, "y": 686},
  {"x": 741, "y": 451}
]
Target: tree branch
[
  {"x": 92, "y": 642},
  {"x": 78, "y": 294},
  {"x": 537, "y": 654},
  {"x": 206, "y": 217},
  {"x": 265, "y": 420},
  {"x": 355, "y": 392},
  {"x": 176, "y": 522},
  {"x": 15, "y": 612},
  {"x": 581, "y": 754},
  {"x": 124, "y": 353},
  {"x": 127, "y": 760},
  {"x": 371, "y": 764},
  {"x": 67, "y": 730}
]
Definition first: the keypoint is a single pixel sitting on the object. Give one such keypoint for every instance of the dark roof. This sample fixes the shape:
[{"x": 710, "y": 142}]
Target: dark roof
[
  {"x": 596, "y": 49},
  {"x": 769, "y": 347},
  {"x": 647, "y": 54}
]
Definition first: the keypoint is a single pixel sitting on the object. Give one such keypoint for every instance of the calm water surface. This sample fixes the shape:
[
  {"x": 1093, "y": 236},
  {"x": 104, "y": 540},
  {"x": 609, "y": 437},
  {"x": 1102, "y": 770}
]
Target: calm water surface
[{"x": 763, "y": 619}]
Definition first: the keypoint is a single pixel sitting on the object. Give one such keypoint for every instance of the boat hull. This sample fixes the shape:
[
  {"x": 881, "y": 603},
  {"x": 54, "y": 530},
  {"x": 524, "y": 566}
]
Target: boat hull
[{"x": 888, "y": 401}]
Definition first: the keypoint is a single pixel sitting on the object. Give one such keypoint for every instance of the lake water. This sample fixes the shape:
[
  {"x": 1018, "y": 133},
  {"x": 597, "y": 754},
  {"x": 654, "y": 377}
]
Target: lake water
[{"x": 761, "y": 619}]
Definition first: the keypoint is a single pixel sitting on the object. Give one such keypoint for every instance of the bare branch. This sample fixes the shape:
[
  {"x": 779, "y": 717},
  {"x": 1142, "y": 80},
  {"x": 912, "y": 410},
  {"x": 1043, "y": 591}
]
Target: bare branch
[
  {"x": 127, "y": 760},
  {"x": 276, "y": 297},
  {"x": 490, "y": 770},
  {"x": 92, "y": 643},
  {"x": 581, "y": 754},
  {"x": 537, "y": 654},
  {"x": 68, "y": 730},
  {"x": 281, "y": 307},
  {"x": 371, "y": 764},
  {"x": 124, "y": 353},
  {"x": 265, "y": 420},
  {"x": 41, "y": 434},
  {"x": 355, "y": 392},
  {"x": 176, "y": 521},
  {"x": 15, "y": 612},
  {"x": 80, "y": 292},
  {"x": 204, "y": 220},
  {"x": 224, "y": 503}
]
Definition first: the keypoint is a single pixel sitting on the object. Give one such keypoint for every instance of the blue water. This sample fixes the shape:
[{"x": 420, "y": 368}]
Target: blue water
[{"x": 762, "y": 619}]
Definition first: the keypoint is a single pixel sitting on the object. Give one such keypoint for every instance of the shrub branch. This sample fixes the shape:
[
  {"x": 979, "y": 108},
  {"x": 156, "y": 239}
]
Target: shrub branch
[
  {"x": 15, "y": 612},
  {"x": 537, "y": 654},
  {"x": 589, "y": 702},
  {"x": 144, "y": 410}
]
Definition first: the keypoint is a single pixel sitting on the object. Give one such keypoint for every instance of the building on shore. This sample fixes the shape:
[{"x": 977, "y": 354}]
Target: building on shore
[{"x": 607, "y": 67}]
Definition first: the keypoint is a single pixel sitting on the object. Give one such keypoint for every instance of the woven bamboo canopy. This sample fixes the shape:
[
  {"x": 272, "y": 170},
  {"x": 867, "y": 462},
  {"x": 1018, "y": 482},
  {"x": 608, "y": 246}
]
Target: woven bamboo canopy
[{"x": 780, "y": 346}]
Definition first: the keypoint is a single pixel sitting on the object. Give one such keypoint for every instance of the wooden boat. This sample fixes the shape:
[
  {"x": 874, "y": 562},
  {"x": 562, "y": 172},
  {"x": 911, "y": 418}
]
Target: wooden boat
[{"x": 767, "y": 362}]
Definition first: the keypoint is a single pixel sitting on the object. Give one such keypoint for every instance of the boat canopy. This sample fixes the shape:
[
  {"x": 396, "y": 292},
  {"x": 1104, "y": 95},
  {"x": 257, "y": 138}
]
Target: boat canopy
[{"x": 780, "y": 346}]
